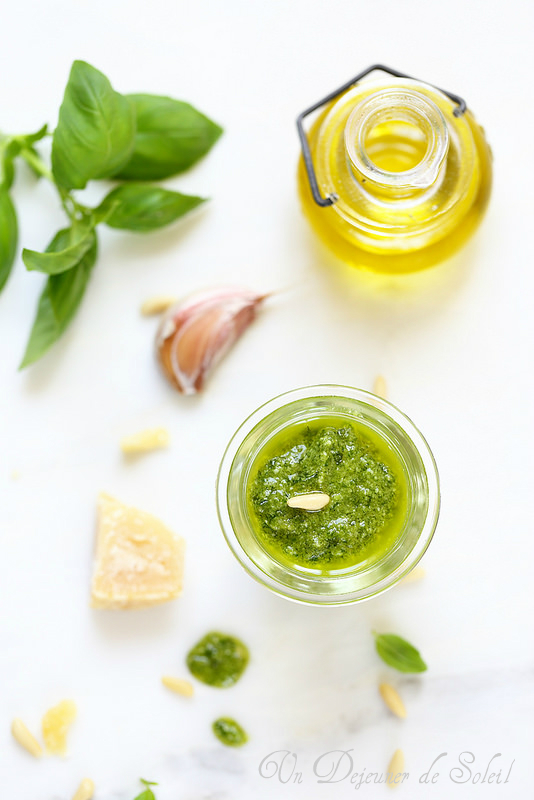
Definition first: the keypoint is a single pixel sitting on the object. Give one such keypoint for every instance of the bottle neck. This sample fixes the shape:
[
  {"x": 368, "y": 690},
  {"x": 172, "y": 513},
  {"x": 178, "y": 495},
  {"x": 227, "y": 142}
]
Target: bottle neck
[{"x": 396, "y": 142}]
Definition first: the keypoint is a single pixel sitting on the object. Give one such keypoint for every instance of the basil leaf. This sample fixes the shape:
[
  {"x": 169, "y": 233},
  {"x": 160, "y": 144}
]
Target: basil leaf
[
  {"x": 10, "y": 149},
  {"x": 148, "y": 794},
  {"x": 171, "y": 137},
  {"x": 67, "y": 289},
  {"x": 138, "y": 207},
  {"x": 55, "y": 261},
  {"x": 8, "y": 235},
  {"x": 59, "y": 300},
  {"x": 399, "y": 653},
  {"x": 95, "y": 132}
]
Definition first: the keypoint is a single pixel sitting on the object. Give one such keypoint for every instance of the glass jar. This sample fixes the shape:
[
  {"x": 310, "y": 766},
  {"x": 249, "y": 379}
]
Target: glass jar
[
  {"x": 410, "y": 178},
  {"x": 383, "y": 421}
]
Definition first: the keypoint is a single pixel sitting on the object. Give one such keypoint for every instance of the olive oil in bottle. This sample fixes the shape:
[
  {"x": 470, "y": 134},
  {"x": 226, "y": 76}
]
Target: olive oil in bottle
[{"x": 410, "y": 175}]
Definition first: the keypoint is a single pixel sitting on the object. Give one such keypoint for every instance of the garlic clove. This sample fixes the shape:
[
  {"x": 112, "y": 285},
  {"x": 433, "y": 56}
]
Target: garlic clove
[{"x": 196, "y": 333}]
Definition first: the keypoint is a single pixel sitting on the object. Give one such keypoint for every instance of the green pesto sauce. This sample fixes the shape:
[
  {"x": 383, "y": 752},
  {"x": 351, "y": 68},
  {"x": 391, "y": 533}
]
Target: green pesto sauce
[
  {"x": 229, "y": 732},
  {"x": 218, "y": 659},
  {"x": 355, "y": 467}
]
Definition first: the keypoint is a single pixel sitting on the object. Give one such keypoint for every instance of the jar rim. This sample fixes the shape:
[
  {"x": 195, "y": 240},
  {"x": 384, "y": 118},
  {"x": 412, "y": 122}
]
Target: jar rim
[
  {"x": 403, "y": 104},
  {"x": 321, "y": 392}
]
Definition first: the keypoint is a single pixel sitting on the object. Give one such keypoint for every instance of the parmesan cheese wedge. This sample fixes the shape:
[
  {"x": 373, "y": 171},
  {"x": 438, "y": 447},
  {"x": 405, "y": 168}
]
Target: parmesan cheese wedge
[{"x": 139, "y": 562}]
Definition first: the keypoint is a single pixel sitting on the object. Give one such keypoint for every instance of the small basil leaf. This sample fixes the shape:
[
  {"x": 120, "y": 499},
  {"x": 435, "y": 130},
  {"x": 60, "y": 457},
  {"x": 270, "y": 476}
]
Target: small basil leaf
[
  {"x": 59, "y": 300},
  {"x": 54, "y": 261},
  {"x": 7, "y": 171},
  {"x": 61, "y": 241},
  {"x": 31, "y": 138},
  {"x": 67, "y": 289},
  {"x": 171, "y": 137},
  {"x": 10, "y": 149},
  {"x": 148, "y": 794},
  {"x": 95, "y": 132},
  {"x": 138, "y": 207},
  {"x": 399, "y": 653},
  {"x": 8, "y": 235}
]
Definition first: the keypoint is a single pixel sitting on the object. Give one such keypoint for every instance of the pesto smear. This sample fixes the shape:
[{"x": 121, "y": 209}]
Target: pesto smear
[
  {"x": 218, "y": 659},
  {"x": 357, "y": 470},
  {"x": 229, "y": 732}
]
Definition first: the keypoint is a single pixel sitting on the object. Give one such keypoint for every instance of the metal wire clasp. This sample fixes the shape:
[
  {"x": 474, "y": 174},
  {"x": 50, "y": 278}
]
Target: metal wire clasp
[{"x": 460, "y": 109}]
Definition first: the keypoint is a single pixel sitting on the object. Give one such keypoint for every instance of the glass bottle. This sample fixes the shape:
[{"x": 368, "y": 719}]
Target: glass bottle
[{"x": 410, "y": 178}]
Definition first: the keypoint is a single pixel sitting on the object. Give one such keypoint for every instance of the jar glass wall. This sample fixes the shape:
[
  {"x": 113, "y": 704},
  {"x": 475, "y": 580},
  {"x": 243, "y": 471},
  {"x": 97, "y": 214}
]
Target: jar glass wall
[{"x": 347, "y": 406}]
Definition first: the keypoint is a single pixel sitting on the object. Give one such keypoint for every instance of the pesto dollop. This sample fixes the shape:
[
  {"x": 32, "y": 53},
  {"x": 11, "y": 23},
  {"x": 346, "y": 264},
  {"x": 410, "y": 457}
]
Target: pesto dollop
[
  {"x": 229, "y": 732},
  {"x": 218, "y": 659},
  {"x": 347, "y": 465}
]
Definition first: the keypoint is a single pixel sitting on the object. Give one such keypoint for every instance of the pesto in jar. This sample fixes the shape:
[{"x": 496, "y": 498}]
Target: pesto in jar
[{"x": 355, "y": 467}]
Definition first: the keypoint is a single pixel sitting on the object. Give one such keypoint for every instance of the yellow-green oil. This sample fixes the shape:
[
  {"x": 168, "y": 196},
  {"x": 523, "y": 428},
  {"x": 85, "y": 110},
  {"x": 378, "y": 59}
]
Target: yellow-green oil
[
  {"x": 383, "y": 540},
  {"x": 396, "y": 146}
]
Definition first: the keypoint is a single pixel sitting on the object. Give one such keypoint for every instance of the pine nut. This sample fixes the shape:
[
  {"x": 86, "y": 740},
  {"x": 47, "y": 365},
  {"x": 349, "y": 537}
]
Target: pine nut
[
  {"x": 178, "y": 685},
  {"x": 396, "y": 766},
  {"x": 312, "y": 501},
  {"x": 415, "y": 575},
  {"x": 380, "y": 387},
  {"x": 26, "y": 739},
  {"x": 145, "y": 441},
  {"x": 393, "y": 700},
  {"x": 85, "y": 791},
  {"x": 157, "y": 305}
]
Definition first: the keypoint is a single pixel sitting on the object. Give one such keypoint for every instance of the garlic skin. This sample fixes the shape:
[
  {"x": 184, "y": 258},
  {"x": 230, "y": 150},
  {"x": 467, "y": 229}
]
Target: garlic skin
[{"x": 197, "y": 332}]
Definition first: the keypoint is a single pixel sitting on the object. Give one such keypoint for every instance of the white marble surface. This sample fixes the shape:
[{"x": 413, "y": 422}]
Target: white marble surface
[{"x": 453, "y": 344}]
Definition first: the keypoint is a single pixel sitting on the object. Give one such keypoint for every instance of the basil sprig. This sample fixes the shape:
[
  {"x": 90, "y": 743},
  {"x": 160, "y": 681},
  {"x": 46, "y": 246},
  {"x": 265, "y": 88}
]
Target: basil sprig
[
  {"x": 100, "y": 134},
  {"x": 399, "y": 653}
]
